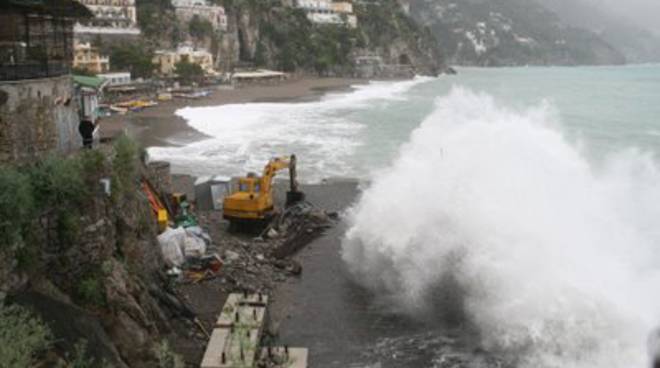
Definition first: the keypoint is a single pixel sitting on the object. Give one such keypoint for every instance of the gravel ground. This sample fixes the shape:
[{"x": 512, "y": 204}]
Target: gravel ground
[{"x": 249, "y": 263}]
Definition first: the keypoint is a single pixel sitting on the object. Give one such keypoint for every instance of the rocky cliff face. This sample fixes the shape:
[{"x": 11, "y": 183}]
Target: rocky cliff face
[
  {"x": 271, "y": 35},
  {"x": 510, "y": 32},
  {"x": 635, "y": 41},
  {"x": 88, "y": 265}
]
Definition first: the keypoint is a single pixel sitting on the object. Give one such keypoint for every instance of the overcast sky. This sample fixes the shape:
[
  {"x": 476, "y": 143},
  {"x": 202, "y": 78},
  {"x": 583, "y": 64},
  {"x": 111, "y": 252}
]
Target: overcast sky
[{"x": 645, "y": 13}]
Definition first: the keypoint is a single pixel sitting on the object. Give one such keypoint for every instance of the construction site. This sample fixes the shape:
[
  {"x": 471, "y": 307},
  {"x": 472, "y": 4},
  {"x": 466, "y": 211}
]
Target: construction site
[{"x": 228, "y": 245}]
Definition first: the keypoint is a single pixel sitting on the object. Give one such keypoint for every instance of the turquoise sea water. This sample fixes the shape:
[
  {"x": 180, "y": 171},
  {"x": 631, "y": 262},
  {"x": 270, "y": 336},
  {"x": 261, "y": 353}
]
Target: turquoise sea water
[{"x": 601, "y": 109}]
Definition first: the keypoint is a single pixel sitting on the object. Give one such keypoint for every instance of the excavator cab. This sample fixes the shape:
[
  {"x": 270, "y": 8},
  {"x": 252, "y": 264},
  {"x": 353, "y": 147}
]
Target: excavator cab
[{"x": 252, "y": 201}]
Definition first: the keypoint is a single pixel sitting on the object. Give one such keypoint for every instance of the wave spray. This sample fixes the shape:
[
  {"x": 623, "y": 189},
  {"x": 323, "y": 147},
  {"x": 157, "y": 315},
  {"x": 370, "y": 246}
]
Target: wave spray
[{"x": 557, "y": 259}]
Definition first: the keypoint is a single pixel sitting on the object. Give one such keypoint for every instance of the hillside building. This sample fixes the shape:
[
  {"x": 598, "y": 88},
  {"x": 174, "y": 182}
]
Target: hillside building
[
  {"x": 110, "y": 17},
  {"x": 166, "y": 60},
  {"x": 38, "y": 110},
  {"x": 329, "y": 12},
  {"x": 214, "y": 14},
  {"x": 89, "y": 58}
]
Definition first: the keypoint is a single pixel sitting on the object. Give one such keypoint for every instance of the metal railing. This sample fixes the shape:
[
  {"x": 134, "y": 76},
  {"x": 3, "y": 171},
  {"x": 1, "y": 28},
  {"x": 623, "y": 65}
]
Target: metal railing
[{"x": 15, "y": 72}]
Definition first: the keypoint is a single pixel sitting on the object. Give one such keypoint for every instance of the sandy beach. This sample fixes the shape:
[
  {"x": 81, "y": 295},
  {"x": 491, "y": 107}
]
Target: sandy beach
[{"x": 159, "y": 126}]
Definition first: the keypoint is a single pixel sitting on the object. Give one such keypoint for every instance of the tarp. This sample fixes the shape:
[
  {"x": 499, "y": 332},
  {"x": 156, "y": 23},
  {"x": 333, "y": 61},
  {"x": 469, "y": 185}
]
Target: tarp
[{"x": 90, "y": 82}]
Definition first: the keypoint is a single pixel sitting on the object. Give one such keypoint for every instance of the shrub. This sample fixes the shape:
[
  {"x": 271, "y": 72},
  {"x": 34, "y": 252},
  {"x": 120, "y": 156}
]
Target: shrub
[
  {"x": 91, "y": 291},
  {"x": 58, "y": 183},
  {"x": 16, "y": 207},
  {"x": 166, "y": 357},
  {"x": 200, "y": 28},
  {"x": 22, "y": 337},
  {"x": 124, "y": 166},
  {"x": 188, "y": 72},
  {"x": 135, "y": 57},
  {"x": 80, "y": 358}
]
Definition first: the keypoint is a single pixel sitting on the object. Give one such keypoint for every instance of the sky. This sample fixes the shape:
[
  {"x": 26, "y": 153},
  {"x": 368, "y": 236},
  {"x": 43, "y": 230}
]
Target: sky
[{"x": 645, "y": 13}]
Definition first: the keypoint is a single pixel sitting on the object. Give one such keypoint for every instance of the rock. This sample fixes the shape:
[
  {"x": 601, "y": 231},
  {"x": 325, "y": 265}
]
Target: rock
[
  {"x": 70, "y": 324},
  {"x": 232, "y": 256},
  {"x": 272, "y": 233},
  {"x": 260, "y": 257},
  {"x": 294, "y": 268}
]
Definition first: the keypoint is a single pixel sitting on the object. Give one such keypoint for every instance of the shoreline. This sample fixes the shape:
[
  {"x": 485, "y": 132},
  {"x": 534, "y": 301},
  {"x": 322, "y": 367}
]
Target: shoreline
[{"x": 159, "y": 126}]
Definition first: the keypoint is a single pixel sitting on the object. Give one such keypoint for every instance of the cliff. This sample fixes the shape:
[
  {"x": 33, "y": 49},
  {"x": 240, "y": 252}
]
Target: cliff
[
  {"x": 510, "y": 32},
  {"x": 84, "y": 261},
  {"x": 271, "y": 34}
]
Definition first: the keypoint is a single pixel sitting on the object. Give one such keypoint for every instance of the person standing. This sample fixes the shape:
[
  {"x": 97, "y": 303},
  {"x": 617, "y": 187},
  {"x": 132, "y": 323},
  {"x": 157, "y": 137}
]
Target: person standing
[{"x": 86, "y": 129}]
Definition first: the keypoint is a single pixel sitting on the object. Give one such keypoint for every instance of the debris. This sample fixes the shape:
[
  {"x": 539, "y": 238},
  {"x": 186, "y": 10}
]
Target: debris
[
  {"x": 171, "y": 241},
  {"x": 272, "y": 233},
  {"x": 184, "y": 218},
  {"x": 199, "y": 233},
  {"x": 193, "y": 247},
  {"x": 232, "y": 256},
  {"x": 174, "y": 271},
  {"x": 299, "y": 224},
  {"x": 180, "y": 244}
]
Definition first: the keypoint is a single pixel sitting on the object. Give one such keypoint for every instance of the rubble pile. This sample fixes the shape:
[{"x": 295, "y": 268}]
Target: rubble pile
[
  {"x": 296, "y": 227},
  {"x": 254, "y": 264},
  {"x": 210, "y": 263}
]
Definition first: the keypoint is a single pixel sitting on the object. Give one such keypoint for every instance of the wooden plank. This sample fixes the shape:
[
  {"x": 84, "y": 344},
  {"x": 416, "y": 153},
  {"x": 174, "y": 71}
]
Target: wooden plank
[
  {"x": 215, "y": 348},
  {"x": 237, "y": 333}
]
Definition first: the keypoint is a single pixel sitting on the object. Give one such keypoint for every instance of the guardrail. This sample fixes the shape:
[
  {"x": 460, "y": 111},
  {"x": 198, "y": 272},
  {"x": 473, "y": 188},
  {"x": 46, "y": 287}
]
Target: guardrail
[{"x": 33, "y": 71}]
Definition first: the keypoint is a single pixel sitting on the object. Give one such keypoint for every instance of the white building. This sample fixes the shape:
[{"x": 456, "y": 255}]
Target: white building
[
  {"x": 329, "y": 12},
  {"x": 214, "y": 14},
  {"x": 116, "y": 79},
  {"x": 110, "y": 17}
]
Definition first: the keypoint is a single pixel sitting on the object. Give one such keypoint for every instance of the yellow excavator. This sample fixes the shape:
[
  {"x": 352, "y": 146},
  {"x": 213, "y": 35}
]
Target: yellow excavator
[{"x": 252, "y": 200}]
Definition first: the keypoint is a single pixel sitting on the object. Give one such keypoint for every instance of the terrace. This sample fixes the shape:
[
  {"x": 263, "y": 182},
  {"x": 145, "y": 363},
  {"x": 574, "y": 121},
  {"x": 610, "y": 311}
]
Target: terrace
[{"x": 36, "y": 37}]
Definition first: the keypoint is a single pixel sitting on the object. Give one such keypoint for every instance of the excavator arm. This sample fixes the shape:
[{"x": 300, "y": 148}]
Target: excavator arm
[{"x": 275, "y": 165}]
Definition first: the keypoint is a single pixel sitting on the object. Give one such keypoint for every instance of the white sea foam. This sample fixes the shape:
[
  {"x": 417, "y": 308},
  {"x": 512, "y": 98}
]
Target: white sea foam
[
  {"x": 244, "y": 136},
  {"x": 558, "y": 260}
]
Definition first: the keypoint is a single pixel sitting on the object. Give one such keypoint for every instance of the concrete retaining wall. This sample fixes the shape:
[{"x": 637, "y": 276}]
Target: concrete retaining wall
[{"x": 37, "y": 117}]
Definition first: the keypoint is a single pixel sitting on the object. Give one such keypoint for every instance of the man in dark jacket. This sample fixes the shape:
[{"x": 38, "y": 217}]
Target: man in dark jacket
[{"x": 86, "y": 129}]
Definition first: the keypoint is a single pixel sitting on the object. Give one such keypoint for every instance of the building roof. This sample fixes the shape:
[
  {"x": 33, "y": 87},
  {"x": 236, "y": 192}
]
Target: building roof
[
  {"x": 58, "y": 8},
  {"x": 261, "y": 73},
  {"x": 90, "y": 82}
]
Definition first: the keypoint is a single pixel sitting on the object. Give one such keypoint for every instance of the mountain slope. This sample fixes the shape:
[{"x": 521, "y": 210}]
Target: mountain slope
[
  {"x": 634, "y": 41},
  {"x": 510, "y": 32}
]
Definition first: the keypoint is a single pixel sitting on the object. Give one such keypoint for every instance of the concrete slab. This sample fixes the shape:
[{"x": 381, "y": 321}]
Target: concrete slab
[
  {"x": 242, "y": 348},
  {"x": 296, "y": 357},
  {"x": 215, "y": 348},
  {"x": 243, "y": 316}
]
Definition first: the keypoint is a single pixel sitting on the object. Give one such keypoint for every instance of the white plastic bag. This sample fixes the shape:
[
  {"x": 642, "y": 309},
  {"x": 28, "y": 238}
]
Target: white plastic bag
[
  {"x": 194, "y": 247},
  {"x": 171, "y": 244}
]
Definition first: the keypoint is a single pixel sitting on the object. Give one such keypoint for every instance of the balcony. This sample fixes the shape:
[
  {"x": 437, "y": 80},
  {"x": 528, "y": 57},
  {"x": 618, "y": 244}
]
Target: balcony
[{"x": 33, "y": 71}]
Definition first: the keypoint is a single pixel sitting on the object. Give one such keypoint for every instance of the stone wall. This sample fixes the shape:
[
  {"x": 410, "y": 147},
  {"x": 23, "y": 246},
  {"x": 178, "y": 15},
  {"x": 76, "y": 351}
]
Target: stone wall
[{"x": 37, "y": 117}]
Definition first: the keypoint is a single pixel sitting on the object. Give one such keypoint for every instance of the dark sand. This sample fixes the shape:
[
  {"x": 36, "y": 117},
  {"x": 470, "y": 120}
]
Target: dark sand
[{"x": 159, "y": 126}]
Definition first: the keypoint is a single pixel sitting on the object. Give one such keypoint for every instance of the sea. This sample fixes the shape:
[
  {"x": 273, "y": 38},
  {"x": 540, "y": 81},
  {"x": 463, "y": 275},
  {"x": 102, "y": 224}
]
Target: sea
[{"x": 512, "y": 213}]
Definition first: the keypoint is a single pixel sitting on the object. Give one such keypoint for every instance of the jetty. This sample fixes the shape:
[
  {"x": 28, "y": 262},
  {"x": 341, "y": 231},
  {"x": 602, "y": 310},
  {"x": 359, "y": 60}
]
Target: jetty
[{"x": 236, "y": 338}]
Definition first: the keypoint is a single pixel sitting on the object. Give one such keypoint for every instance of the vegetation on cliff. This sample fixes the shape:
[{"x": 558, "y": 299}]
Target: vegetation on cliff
[
  {"x": 269, "y": 34},
  {"x": 279, "y": 37},
  {"x": 82, "y": 260},
  {"x": 289, "y": 41}
]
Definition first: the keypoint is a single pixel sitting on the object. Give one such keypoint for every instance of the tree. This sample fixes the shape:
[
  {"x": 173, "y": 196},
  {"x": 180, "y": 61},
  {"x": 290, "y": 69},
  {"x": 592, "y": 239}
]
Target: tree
[
  {"x": 136, "y": 58},
  {"x": 199, "y": 28},
  {"x": 188, "y": 72}
]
